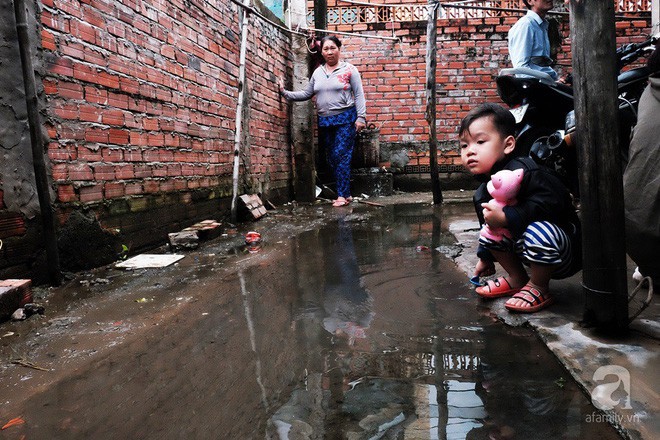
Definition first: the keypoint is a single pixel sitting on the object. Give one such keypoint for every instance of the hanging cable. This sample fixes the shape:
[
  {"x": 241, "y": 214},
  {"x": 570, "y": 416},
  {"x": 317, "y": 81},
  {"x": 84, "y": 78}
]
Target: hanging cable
[{"x": 266, "y": 19}]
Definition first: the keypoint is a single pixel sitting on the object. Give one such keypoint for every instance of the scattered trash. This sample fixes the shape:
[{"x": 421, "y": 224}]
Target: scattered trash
[
  {"x": 33, "y": 309},
  {"x": 142, "y": 300},
  {"x": 205, "y": 313},
  {"x": 206, "y": 230},
  {"x": 19, "y": 315},
  {"x": 8, "y": 334},
  {"x": 183, "y": 240},
  {"x": 380, "y": 205},
  {"x": 475, "y": 280},
  {"x": 28, "y": 364},
  {"x": 252, "y": 237},
  {"x": 253, "y": 242},
  {"x": 95, "y": 281},
  {"x": 251, "y": 206},
  {"x": 13, "y": 422},
  {"x": 422, "y": 248},
  {"x": 14, "y": 293},
  {"x": 149, "y": 261}
]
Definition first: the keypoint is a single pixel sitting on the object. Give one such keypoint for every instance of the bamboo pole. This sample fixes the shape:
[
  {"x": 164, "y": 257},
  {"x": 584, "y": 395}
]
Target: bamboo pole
[
  {"x": 431, "y": 98},
  {"x": 37, "y": 143},
  {"x": 601, "y": 181},
  {"x": 239, "y": 111}
]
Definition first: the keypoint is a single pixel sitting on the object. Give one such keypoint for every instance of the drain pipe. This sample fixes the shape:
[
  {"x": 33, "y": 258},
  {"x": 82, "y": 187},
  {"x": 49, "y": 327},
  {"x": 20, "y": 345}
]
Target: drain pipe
[
  {"x": 239, "y": 109},
  {"x": 39, "y": 163}
]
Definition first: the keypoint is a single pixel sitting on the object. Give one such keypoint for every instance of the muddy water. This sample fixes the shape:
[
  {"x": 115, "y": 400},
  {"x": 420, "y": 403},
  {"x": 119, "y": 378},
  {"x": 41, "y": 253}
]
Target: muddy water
[{"x": 355, "y": 330}]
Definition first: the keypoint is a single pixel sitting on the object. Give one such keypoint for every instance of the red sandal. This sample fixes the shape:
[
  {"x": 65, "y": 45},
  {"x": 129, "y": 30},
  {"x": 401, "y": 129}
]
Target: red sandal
[
  {"x": 496, "y": 288},
  {"x": 532, "y": 296}
]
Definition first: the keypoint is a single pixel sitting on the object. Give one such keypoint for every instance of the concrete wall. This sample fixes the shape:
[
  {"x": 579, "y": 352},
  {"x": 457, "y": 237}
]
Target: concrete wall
[{"x": 17, "y": 183}]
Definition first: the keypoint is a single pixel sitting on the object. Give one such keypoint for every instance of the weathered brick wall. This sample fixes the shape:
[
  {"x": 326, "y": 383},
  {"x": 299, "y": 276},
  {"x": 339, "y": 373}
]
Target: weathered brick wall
[
  {"x": 470, "y": 53},
  {"x": 140, "y": 101},
  {"x": 142, "y": 97}
]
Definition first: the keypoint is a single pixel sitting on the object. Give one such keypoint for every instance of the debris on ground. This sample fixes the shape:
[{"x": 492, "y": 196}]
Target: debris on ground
[
  {"x": 19, "y": 315},
  {"x": 183, "y": 240},
  {"x": 145, "y": 261},
  {"x": 251, "y": 206},
  {"x": 28, "y": 364},
  {"x": 206, "y": 230},
  {"x": 95, "y": 281},
  {"x": 14, "y": 294},
  {"x": 190, "y": 237},
  {"x": 13, "y": 422}
]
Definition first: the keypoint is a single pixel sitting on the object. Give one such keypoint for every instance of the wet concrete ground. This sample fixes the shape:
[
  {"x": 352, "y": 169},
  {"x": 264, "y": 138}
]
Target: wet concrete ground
[{"x": 346, "y": 324}]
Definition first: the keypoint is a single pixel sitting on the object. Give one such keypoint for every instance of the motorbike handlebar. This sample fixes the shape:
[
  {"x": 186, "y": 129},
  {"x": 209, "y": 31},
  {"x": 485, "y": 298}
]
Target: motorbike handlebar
[{"x": 628, "y": 53}]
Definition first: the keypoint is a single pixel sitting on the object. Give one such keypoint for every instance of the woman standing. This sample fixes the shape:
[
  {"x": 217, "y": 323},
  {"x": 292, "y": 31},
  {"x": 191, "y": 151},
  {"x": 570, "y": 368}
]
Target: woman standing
[{"x": 341, "y": 111}]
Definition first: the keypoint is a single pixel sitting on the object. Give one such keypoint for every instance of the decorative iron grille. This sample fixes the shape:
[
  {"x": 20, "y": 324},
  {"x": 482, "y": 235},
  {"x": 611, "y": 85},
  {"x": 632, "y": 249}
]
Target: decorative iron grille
[{"x": 357, "y": 14}]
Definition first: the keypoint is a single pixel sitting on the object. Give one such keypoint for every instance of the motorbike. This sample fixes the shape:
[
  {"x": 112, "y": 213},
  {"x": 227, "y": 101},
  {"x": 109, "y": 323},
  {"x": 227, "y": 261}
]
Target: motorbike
[{"x": 544, "y": 109}]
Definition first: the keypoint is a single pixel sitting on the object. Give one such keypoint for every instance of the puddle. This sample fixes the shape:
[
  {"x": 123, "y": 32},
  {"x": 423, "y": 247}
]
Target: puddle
[{"x": 357, "y": 330}]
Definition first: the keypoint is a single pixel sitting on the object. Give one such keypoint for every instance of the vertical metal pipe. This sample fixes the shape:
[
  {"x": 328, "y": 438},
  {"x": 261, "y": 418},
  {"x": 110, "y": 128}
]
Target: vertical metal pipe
[
  {"x": 239, "y": 109},
  {"x": 36, "y": 141}
]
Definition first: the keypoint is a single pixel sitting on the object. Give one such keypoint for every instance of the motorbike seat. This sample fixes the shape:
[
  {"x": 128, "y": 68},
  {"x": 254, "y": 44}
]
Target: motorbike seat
[
  {"x": 527, "y": 72},
  {"x": 633, "y": 75}
]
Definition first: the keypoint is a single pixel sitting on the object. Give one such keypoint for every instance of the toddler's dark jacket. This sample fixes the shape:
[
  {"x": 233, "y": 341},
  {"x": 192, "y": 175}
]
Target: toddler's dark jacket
[{"x": 542, "y": 197}]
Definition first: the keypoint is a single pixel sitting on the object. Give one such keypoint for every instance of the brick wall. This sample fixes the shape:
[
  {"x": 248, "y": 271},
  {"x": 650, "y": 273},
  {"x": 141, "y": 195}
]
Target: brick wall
[
  {"x": 140, "y": 101},
  {"x": 470, "y": 52},
  {"x": 142, "y": 98}
]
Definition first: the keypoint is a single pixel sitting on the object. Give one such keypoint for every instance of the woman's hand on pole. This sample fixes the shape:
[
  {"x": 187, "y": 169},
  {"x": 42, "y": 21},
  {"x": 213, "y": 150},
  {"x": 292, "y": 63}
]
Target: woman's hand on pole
[
  {"x": 359, "y": 126},
  {"x": 280, "y": 84}
]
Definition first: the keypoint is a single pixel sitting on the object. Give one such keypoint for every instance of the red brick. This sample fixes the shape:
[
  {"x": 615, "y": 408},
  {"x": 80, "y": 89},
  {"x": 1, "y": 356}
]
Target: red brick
[
  {"x": 80, "y": 171},
  {"x": 113, "y": 190},
  {"x": 66, "y": 193},
  {"x": 96, "y": 134},
  {"x": 93, "y": 193},
  {"x": 14, "y": 294}
]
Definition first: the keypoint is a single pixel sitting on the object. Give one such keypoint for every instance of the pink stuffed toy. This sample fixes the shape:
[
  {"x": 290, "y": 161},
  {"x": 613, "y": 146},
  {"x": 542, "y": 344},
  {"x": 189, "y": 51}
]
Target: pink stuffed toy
[{"x": 503, "y": 186}]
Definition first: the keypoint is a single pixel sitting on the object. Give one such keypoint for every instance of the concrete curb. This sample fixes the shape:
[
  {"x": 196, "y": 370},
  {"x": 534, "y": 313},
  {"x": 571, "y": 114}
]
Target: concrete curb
[{"x": 590, "y": 358}]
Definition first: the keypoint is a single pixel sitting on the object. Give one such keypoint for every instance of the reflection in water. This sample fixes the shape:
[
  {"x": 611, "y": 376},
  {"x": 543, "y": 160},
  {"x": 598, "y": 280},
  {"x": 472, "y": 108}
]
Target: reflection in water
[
  {"x": 346, "y": 302},
  {"x": 345, "y": 332},
  {"x": 403, "y": 355},
  {"x": 253, "y": 338}
]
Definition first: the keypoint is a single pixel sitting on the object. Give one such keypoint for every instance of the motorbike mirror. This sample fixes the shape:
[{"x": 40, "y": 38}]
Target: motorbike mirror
[{"x": 542, "y": 61}]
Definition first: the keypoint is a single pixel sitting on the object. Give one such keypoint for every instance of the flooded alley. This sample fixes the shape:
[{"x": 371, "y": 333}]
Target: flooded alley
[{"x": 355, "y": 327}]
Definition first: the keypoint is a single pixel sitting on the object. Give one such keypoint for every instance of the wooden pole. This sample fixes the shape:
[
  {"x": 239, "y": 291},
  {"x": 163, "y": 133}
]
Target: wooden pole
[
  {"x": 431, "y": 35},
  {"x": 239, "y": 111},
  {"x": 601, "y": 182},
  {"x": 655, "y": 15},
  {"x": 37, "y": 144}
]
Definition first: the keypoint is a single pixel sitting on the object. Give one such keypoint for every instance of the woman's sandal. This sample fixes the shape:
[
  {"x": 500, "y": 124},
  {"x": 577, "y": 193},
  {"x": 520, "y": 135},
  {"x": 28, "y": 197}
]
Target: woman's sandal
[
  {"x": 533, "y": 297},
  {"x": 342, "y": 202},
  {"x": 496, "y": 289}
]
